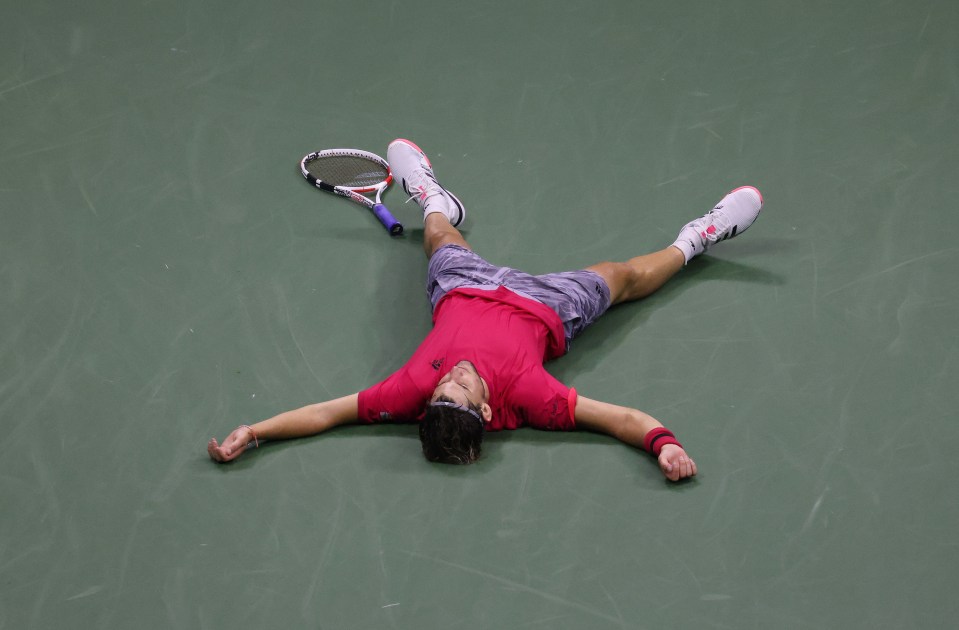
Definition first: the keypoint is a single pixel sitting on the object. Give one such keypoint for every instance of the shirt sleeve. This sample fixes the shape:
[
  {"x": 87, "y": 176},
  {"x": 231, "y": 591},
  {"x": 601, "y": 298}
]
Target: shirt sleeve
[
  {"x": 545, "y": 403},
  {"x": 395, "y": 399}
]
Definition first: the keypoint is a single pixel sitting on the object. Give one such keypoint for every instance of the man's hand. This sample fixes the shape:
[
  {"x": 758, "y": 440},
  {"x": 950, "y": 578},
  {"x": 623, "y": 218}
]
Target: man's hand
[
  {"x": 675, "y": 463},
  {"x": 631, "y": 426},
  {"x": 301, "y": 422},
  {"x": 233, "y": 445}
]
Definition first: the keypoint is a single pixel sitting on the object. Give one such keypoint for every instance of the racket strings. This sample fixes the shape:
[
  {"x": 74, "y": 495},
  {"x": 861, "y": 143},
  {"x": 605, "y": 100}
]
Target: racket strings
[{"x": 347, "y": 171}]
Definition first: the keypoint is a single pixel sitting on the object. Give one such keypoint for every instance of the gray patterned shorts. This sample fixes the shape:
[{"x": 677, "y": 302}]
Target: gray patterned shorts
[{"x": 578, "y": 297}]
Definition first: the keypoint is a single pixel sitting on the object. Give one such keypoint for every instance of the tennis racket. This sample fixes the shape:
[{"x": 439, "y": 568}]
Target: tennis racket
[{"x": 352, "y": 173}]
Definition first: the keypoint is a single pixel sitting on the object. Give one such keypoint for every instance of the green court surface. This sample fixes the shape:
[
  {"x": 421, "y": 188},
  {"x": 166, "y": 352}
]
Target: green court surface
[{"x": 166, "y": 274}]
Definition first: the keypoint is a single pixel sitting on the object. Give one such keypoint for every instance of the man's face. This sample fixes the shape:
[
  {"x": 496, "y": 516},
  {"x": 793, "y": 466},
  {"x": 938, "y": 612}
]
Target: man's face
[{"x": 463, "y": 385}]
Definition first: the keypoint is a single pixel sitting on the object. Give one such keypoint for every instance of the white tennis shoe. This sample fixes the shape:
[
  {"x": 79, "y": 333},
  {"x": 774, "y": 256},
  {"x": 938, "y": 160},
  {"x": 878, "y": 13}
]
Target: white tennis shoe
[
  {"x": 729, "y": 218},
  {"x": 413, "y": 171}
]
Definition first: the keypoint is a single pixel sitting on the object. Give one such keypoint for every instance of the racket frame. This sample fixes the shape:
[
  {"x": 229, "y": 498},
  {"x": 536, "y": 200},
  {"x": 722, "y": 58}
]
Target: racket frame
[{"x": 357, "y": 193}]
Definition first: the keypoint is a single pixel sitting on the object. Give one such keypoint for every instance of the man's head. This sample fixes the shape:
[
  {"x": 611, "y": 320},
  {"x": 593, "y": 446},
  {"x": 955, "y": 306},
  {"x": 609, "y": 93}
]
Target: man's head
[{"x": 452, "y": 429}]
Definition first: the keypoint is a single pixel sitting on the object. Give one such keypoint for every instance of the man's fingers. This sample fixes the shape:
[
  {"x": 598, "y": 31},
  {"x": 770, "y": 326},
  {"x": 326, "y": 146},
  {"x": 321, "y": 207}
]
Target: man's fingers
[
  {"x": 688, "y": 467},
  {"x": 670, "y": 470},
  {"x": 213, "y": 450},
  {"x": 682, "y": 468},
  {"x": 220, "y": 453}
]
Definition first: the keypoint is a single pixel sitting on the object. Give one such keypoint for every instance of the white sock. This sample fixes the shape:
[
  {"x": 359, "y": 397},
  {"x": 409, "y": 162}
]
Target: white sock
[
  {"x": 436, "y": 209},
  {"x": 443, "y": 203},
  {"x": 438, "y": 205},
  {"x": 690, "y": 243}
]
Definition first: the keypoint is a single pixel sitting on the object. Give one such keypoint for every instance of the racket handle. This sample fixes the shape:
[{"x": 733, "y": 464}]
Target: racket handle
[{"x": 394, "y": 227}]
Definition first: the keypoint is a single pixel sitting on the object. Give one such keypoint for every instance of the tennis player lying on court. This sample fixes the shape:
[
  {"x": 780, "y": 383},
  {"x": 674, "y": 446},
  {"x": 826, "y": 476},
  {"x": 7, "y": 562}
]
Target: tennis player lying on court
[{"x": 481, "y": 366}]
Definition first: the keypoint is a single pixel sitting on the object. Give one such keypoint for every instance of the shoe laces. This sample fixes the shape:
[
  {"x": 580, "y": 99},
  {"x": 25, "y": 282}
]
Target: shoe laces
[
  {"x": 421, "y": 185},
  {"x": 718, "y": 220}
]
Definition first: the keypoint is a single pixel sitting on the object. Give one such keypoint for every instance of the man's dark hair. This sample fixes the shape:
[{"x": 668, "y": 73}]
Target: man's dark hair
[{"x": 451, "y": 435}]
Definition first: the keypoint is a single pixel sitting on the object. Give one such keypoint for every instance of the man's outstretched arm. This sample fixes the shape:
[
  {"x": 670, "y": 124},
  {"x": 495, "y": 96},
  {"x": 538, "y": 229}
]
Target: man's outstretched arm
[
  {"x": 302, "y": 422},
  {"x": 638, "y": 429}
]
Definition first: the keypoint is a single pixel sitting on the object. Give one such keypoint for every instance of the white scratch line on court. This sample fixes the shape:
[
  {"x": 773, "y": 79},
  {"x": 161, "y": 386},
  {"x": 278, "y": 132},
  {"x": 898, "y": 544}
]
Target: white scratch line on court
[
  {"x": 706, "y": 127},
  {"x": 93, "y": 590},
  {"x": 922, "y": 31},
  {"x": 619, "y": 614},
  {"x": 675, "y": 179},
  {"x": 516, "y": 585},
  {"x": 24, "y": 84},
  {"x": 299, "y": 348},
  {"x": 86, "y": 198},
  {"x": 893, "y": 268},
  {"x": 814, "y": 510},
  {"x": 390, "y": 605}
]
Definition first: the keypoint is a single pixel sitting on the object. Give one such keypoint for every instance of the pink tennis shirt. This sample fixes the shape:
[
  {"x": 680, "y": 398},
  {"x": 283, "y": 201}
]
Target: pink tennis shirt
[{"x": 507, "y": 337}]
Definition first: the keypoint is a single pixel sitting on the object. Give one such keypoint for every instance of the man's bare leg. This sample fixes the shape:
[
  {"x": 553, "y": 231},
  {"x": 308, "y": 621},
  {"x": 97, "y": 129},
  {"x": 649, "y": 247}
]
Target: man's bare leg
[
  {"x": 438, "y": 231},
  {"x": 640, "y": 276},
  {"x": 442, "y": 210}
]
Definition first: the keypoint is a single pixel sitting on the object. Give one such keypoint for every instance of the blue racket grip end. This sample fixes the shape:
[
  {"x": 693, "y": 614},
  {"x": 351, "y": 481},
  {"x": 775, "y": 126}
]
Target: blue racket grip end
[{"x": 394, "y": 227}]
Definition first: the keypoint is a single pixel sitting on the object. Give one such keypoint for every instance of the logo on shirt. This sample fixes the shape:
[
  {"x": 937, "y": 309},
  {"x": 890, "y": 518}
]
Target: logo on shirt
[{"x": 437, "y": 363}]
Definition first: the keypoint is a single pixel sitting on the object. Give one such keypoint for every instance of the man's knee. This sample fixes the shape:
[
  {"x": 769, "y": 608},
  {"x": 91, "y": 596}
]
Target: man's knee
[{"x": 617, "y": 276}]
